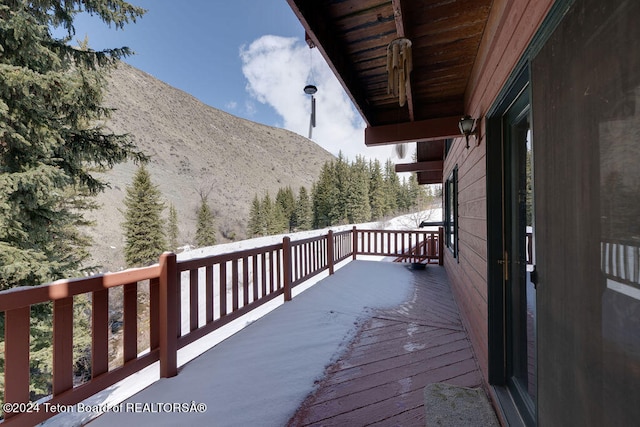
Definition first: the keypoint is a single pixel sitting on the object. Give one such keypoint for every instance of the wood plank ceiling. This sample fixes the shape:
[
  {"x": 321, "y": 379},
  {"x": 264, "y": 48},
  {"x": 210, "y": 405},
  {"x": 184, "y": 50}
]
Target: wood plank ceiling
[{"x": 353, "y": 36}]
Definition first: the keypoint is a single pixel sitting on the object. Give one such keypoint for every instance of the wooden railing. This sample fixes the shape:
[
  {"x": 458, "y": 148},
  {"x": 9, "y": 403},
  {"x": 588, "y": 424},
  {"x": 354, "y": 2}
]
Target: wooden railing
[
  {"x": 620, "y": 261},
  {"x": 405, "y": 246},
  {"x": 218, "y": 289}
]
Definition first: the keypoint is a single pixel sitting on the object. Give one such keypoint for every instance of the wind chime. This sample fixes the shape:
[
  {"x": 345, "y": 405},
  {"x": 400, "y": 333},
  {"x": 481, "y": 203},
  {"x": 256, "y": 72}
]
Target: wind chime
[
  {"x": 399, "y": 66},
  {"x": 310, "y": 89}
]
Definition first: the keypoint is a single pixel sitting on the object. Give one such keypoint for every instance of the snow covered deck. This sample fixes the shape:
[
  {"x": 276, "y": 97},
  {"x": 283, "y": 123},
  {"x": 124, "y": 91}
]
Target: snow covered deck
[{"x": 354, "y": 349}]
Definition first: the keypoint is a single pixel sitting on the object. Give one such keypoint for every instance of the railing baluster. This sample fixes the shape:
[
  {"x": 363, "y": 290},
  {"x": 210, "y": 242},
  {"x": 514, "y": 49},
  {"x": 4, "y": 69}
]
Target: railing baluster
[
  {"x": 254, "y": 260},
  {"x": 636, "y": 263},
  {"x": 245, "y": 281},
  {"x": 279, "y": 271},
  {"x": 286, "y": 266},
  {"x": 154, "y": 313},
  {"x": 263, "y": 266},
  {"x": 16, "y": 357},
  {"x": 130, "y": 326},
  {"x": 440, "y": 245},
  {"x": 330, "y": 249},
  {"x": 235, "y": 298},
  {"x": 272, "y": 285},
  {"x": 62, "y": 345},
  {"x": 100, "y": 333},
  {"x": 354, "y": 242},
  {"x": 610, "y": 266},
  {"x": 223, "y": 289},
  {"x": 625, "y": 261},
  {"x": 193, "y": 299},
  {"x": 209, "y": 296}
]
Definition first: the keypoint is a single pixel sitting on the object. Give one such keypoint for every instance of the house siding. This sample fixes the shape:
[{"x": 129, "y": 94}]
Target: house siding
[{"x": 510, "y": 28}]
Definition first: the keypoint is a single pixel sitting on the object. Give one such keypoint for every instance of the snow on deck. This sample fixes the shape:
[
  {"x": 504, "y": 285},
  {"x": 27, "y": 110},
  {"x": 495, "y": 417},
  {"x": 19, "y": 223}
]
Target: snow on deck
[{"x": 262, "y": 374}]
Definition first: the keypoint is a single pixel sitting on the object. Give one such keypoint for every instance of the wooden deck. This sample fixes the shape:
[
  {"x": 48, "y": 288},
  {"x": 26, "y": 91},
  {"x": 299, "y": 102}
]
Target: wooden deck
[{"x": 380, "y": 378}]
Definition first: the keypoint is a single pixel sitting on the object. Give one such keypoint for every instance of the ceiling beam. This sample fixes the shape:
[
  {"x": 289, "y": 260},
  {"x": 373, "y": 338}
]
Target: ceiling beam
[
  {"x": 433, "y": 166},
  {"x": 424, "y": 130},
  {"x": 399, "y": 18},
  {"x": 429, "y": 178}
]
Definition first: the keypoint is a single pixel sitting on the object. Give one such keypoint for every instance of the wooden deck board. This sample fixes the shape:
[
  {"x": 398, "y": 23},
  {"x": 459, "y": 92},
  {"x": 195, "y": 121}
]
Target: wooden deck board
[{"x": 379, "y": 380}]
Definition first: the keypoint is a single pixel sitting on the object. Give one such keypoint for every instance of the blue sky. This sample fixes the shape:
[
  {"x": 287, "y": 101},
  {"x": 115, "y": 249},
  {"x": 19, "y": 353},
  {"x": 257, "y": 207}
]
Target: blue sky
[{"x": 246, "y": 57}]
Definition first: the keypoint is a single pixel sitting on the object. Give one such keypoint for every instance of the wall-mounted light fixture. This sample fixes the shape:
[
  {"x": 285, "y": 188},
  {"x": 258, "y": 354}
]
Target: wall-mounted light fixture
[{"x": 468, "y": 126}]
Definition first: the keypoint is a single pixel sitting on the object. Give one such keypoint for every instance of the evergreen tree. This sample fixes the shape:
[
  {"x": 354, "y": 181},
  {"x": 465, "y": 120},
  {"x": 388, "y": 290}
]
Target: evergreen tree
[
  {"x": 205, "y": 223},
  {"x": 326, "y": 211},
  {"x": 287, "y": 202},
  {"x": 342, "y": 179},
  {"x": 392, "y": 186},
  {"x": 377, "y": 194},
  {"x": 172, "y": 228},
  {"x": 357, "y": 205},
  {"x": 257, "y": 225},
  {"x": 143, "y": 225},
  {"x": 304, "y": 211},
  {"x": 51, "y": 138},
  {"x": 278, "y": 222},
  {"x": 51, "y": 135}
]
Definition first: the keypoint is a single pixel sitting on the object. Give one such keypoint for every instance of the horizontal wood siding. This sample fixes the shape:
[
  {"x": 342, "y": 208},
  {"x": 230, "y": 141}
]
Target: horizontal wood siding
[{"x": 511, "y": 26}]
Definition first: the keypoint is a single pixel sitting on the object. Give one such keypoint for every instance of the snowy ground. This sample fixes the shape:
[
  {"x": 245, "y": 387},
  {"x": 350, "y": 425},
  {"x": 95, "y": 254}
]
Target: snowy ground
[{"x": 261, "y": 372}]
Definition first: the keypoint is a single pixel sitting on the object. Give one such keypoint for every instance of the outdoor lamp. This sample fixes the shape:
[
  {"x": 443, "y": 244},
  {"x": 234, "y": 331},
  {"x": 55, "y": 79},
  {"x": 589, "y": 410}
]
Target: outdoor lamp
[{"x": 467, "y": 126}]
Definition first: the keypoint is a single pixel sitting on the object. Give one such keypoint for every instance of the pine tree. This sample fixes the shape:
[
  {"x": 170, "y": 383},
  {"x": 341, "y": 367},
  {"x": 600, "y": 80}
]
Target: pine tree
[
  {"x": 51, "y": 138},
  {"x": 377, "y": 194},
  {"x": 143, "y": 226},
  {"x": 342, "y": 179},
  {"x": 274, "y": 219},
  {"x": 172, "y": 228},
  {"x": 51, "y": 134},
  {"x": 326, "y": 203},
  {"x": 357, "y": 205},
  {"x": 304, "y": 211},
  {"x": 287, "y": 202},
  {"x": 392, "y": 186},
  {"x": 257, "y": 226},
  {"x": 205, "y": 223}
]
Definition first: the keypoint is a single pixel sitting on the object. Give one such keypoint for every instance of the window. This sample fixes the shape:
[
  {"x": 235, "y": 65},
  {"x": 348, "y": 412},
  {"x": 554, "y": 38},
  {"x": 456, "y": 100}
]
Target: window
[
  {"x": 451, "y": 212},
  {"x": 447, "y": 146}
]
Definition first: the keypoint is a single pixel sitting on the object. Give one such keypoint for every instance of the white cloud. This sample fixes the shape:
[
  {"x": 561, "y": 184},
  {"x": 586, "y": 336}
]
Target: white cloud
[
  {"x": 231, "y": 105},
  {"x": 250, "y": 108},
  {"x": 277, "y": 69}
]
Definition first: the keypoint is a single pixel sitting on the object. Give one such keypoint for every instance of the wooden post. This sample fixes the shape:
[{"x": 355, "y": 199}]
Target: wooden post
[
  {"x": 330, "y": 251},
  {"x": 354, "y": 235},
  {"x": 440, "y": 246},
  {"x": 286, "y": 266},
  {"x": 16, "y": 353},
  {"x": 168, "y": 315}
]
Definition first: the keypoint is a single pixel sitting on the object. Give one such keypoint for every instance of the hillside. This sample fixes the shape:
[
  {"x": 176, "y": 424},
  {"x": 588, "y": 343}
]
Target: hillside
[{"x": 194, "y": 148}]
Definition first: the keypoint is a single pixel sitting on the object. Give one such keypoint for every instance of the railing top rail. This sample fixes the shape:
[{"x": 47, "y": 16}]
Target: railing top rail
[
  {"x": 29, "y": 295},
  {"x": 371, "y": 230},
  {"x": 309, "y": 240},
  {"x": 626, "y": 242},
  {"x": 190, "y": 264}
]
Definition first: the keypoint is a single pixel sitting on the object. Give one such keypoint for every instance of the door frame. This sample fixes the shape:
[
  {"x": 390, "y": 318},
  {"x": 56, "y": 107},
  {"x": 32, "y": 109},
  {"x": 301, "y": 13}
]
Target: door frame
[{"x": 496, "y": 294}]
